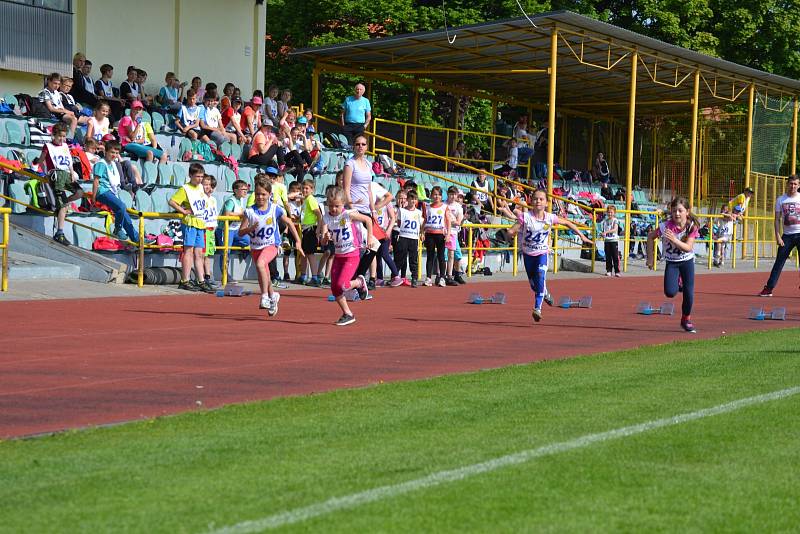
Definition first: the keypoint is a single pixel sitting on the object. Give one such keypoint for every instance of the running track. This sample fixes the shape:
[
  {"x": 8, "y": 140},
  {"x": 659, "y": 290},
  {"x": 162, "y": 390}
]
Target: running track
[{"x": 76, "y": 363}]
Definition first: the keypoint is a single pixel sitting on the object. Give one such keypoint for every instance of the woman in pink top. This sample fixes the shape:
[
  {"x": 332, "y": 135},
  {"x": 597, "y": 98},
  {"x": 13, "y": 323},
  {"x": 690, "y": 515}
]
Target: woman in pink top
[{"x": 137, "y": 137}]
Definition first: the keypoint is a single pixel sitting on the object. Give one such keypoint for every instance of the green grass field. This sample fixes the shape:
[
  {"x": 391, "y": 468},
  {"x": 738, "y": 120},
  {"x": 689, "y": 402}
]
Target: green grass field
[{"x": 199, "y": 472}]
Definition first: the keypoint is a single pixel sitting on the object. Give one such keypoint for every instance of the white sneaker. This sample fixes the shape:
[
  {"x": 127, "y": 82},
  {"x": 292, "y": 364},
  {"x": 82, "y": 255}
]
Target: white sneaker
[
  {"x": 264, "y": 302},
  {"x": 608, "y": 273},
  {"x": 618, "y": 275},
  {"x": 441, "y": 282},
  {"x": 272, "y": 309},
  {"x": 428, "y": 282}
]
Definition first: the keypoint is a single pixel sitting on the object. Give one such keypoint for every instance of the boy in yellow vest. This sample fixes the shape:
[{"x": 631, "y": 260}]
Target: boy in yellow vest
[{"x": 191, "y": 202}]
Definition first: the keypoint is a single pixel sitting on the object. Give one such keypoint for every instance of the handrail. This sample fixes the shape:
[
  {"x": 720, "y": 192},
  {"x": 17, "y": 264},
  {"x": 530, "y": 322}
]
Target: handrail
[
  {"x": 5, "y": 212},
  {"x": 472, "y": 248}
]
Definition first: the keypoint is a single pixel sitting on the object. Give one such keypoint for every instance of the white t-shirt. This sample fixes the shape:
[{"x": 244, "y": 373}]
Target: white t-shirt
[
  {"x": 211, "y": 116},
  {"x": 611, "y": 224},
  {"x": 789, "y": 208},
  {"x": 536, "y": 232},
  {"x": 267, "y": 232},
  {"x": 671, "y": 252},
  {"x": 456, "y": 213},
  {"x": 346, "y": 238}
]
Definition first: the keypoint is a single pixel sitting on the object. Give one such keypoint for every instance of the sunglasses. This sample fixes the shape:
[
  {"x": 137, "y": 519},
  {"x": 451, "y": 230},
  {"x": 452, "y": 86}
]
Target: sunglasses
[{"x": 359, "y": 144}]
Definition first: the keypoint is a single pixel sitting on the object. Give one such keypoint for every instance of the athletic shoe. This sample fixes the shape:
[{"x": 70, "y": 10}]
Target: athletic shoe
[
  {"x": 371, "y": 284},
  {"x": 414, "y": 283},
  {"x": 548, "y": 299},
  {"x": 766, "y": 292},
  {"x": 272, "y": 305},
  {"x": 380, "y": 282},
  {"x": 345, "y": 320},
  {"x": 428, "y": 282},
  {"x": 61, "y": 238},
  {"x": 363, "y": 290},
  {"x": 325, "y": 282},
  {"x": 536, "y": 314},
  {"x": 212, "y": 283},
  {"x": 440, "y": 281},
  {"x": 459, "y": 278},
  {"x": 264, "y": 302},
  {"x": 618, "y": 275},
  {"x": 396, "y": 282},
  {"x": 121, "y": 235},
  {"x": 608, "y": 273},
  {"x": 286, "y": 277},
  {"x": 450, "y": 282},
  {"x": 688, "y": 325},
  {"x": 314, "y": 282},
  {"x": 187, "y": 285},
  {"x": 277, "y": 284},
  {"x": 206, "y": 287}
]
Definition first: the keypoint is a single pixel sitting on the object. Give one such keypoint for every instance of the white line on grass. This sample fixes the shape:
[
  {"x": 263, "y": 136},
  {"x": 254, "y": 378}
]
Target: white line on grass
[{"x": 385, "y": 492}]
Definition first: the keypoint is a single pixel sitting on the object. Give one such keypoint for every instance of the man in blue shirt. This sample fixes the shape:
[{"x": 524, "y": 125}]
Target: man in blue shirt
[{"x": 356, "y": 113}]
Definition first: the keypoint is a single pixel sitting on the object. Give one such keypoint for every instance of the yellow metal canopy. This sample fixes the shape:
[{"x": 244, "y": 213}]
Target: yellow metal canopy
[{"x": 510, "y": 60}]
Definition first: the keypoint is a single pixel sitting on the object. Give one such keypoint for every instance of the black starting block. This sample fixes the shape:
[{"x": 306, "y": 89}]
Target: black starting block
[
  {"x": 644, "y": 308},
  {"x": 760, "y": 314},
  {"x": 497, "y": 298},
  {"x": 583, "y": 302}
]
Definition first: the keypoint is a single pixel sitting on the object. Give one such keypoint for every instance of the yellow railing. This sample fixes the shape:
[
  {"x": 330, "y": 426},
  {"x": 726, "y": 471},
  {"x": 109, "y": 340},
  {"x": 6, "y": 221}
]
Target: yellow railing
[
  {"x": 471, "y": 248},
  {"x": 451, "y": 137},
  {"x": 5, "y": 212}
]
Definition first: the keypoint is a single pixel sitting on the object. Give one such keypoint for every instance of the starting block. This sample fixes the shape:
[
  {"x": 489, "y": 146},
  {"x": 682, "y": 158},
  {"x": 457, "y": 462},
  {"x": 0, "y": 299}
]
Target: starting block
[
  {"x": 760, "y": 314},
  {"x": 644, "y": 308},
  {"x": 583, "y": 302},
  {"x": 497, "y": 298}
]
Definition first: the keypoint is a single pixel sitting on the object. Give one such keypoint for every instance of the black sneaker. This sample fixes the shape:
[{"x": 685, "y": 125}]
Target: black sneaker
[
  {"x": 688, "y": 325},
  {"x": 206, "y": 287},
  {"x": 212, "y": 283},
  {"x": 345, "y": 320},
  {"x": 314, "y": 282},
  {"x": 61, "y": 238},
  {"x": 371, "y": 284},
  {"x": 450, "y": 282},
  {"x": 414, "y": 283},
  {"x": 325, "y": 282},
  {"x": 548, "y": 299},
  {"x": 188, "y": 285},
  {"x": 459, "y": 278}
]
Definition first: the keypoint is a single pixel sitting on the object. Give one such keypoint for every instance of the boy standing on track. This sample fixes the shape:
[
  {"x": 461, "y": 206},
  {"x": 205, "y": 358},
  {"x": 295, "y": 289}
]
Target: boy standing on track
[
  {"x": 210, "y": 218},
  {"x": 190, "y": 201},
  {"x": 787, "y": 214}
]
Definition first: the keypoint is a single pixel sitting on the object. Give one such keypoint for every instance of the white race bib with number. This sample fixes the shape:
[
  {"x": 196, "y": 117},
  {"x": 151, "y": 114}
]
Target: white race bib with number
[
  {"x": 342, "y": 232},
  {"x": 198, "y": 201},
  {"x": 434, "y": 218},
  {"x": 266, "y": 231},
  {"x": 536, "y": 233},
  {"x": 409, "y": 223}
]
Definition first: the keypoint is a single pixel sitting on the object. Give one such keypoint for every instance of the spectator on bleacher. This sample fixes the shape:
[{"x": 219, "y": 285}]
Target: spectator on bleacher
[
  {"x": 288, "y": 121},
  {"x": 540, "y": 152},
  {"x": 481, "y": 190},
  {"x": 83, "y": 88},
  {"x": 232, "y": 118},
  {"x": 620, "y": 194},
  {"x": 141, "y": 78},
  {"x": 53, "y": 99},
  {"x": 298, "y": 151},
  {"x": 211, "y": 127},
  {"x": 78, "y": 61},
  {"x": 91, "y": 149},
  {"x": 197, "y": 87},
  {"x": 211, "y": 88},
  {"x": 105, "y": 190},
  {"x": 525, "y": 140},
  {"x": 356, "y": 113},
  {"x": 104, "y": 88},
  {"x": 237, "y": 93},
  {"x": 476, "y": 158},
  {"x": 235, "y": 206},
  {"x": 227, "y": 90},
  {"x": 284, "y": 104},
  {"x": 606, "y": 192},
  {"x": 170, "y": 95},
  {"x": 251, "y": 118},
  {"x": 509, "y": 167},
  {"x": 265, "y": 147},
  {"x": 601, "y": 170},
  {"x": 56, "y": 157},
  {"x": 459, "y": 153},
  {"x": 270, "y": 107},
  {"x": 70, "y": 104},
  {"x": 188, "y": 119},
  {"x": 308, "y": 115},
  {"x": 129, "y": 89},
  {"x": 137, "y": 136}
]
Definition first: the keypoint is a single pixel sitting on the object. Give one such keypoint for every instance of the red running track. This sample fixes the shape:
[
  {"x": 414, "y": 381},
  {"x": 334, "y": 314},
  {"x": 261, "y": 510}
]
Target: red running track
[{"x": 76, "y": 363}]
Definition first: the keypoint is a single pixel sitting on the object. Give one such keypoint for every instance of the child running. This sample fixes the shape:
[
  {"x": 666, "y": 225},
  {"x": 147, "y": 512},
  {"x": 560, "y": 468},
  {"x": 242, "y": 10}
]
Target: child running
[
  {"x": 536, "y": 225},
  {"x": 338, "y": 225},
  {"x": 677, "y": 238},
  {"x": 261, "y": 223}
]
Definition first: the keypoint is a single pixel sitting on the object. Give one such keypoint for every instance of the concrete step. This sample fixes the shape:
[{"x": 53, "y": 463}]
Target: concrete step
[{"x": 26, "y": 267}]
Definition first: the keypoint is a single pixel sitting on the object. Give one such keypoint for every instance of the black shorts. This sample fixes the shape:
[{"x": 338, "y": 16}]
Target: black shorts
[{"x": 309, "y": 241}]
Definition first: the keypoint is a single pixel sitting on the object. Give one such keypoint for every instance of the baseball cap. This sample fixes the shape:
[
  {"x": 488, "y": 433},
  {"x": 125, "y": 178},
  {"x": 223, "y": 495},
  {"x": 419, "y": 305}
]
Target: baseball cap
[
  {"x": 108, "y": 137},
  {"x": 236, "y": 100},
  {"x": 136, "y": 104},
  {"x": 266, "y": 122},
  {"x": 302, "y": 120},
  {"x": 257, "y": 100},
  {"x": 748, "y": 190},
  {"x": 272, "y": 170}
]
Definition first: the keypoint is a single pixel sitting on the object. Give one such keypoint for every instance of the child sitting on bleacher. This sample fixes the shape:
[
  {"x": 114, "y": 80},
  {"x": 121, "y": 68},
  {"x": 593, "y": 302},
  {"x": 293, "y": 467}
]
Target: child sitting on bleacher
[
  {"x": 211, "y": 128},
  {"x": 99, "y": 125},
  {"x": 105, "y": 190},
  {"x": 188, "y": 119},
  {"x": 56, "y": 160},
  {"x": 170, "y": 95},
  {"x": 53, "y": 99}
]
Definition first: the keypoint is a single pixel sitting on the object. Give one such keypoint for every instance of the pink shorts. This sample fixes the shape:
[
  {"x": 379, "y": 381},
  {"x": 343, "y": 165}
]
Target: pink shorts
[
  {"x": 264, "y": 255},
  {"x": 450, "y": 243}
]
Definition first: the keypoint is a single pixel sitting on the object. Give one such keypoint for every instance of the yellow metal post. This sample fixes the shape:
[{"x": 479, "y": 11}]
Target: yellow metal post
[
  {"x": 748, "y": 156},
  {"x": 6, "y": 239},
  {"x": 551, "y": 116},
  {"x": 629, "y": 161},
  {"x": 494, "y": 129},
  {"x": 225, "y": 252},
  {"x": 140, "y": 280},
  {"x": 693, "y": 146},
  {"x": 555, "y": 250},
  {"x": 471, "y": 252},
  {"x": 315, "y": 96},
  {"x": 594, "y": 233},
  {"x": 793, "y": 160},
  {"x": 414, "y": 120}
]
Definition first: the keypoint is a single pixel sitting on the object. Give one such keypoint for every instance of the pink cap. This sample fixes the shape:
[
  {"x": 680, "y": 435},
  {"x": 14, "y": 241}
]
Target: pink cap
[
  {"x": 136, "y": 104},
  {"x": 257, "y": 100}
]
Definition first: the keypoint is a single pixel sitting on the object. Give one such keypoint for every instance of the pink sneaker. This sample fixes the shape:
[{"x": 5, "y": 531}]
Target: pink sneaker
[{"x": 396, "y": 281}]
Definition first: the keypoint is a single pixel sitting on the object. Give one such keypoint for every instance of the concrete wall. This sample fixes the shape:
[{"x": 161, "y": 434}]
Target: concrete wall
[
  {"x": 218, "y": 41},
  {"x": 20, "y": 82}
]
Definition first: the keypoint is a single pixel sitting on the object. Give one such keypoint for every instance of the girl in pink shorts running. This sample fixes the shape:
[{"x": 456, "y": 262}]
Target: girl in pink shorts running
[
  {"x": 338, "y": 225},
  {"x": 260, "y": 222}
]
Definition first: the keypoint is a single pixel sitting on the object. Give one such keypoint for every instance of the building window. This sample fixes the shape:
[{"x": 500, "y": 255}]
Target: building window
[{"x": 55, "y": 5}]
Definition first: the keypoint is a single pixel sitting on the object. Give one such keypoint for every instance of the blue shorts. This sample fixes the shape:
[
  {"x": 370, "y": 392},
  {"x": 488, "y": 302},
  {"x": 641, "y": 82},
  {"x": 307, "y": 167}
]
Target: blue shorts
[
  {"x": 193, "y": 237},
  {"x": 457, "y": 252}
]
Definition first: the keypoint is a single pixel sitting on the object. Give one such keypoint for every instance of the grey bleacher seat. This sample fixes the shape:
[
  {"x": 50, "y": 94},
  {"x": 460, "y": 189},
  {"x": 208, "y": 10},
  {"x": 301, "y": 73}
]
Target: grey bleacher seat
[
  {"x": 32, "y": 153},
  {"x": 17, "y": 191},
  {"x": 180, "y": 173},
  {"x": 226, "y": 148},
  {"x": 10, "y": 99},
  {"x": 149, "y": 172},
  {"x": 160, "y": 198},
  {"x": 165, "y": 173},
  {"x": 125, "y": 197},
  {"x": 158, "y": 121},
  {"x": 236, "y": 151},
  {"x": 185, "y": 145},
  {"x": 227, "y": 176},
  {"x": 83, "y": 237},
  {"x": 16, "y": 132},
  {"x": 154, "y": 226},
  {"x": 143, "y": 201}
]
